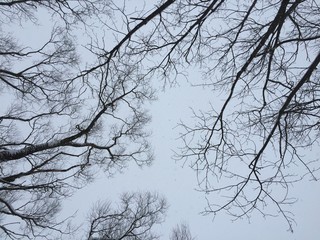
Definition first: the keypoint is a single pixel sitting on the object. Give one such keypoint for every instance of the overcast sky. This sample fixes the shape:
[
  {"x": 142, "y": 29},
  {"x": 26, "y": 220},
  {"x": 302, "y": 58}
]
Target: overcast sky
[{"x": 178, "y": 183}]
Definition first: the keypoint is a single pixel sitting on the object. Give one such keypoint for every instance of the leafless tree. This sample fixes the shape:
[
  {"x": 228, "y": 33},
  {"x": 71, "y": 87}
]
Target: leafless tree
[
  {"x": 181, "y": 232},
  {"x": 134, "y": 218},
  {"x": 63, "y": 118},
  {"x": 262, "y": 58}
]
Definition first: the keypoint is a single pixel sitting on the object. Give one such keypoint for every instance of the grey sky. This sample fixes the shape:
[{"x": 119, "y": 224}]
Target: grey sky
[{"x": 178, "y": 183}]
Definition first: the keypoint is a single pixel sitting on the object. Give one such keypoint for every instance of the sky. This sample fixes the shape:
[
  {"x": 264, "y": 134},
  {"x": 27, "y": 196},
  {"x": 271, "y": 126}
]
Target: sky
[{"x": 178, "y": 183}]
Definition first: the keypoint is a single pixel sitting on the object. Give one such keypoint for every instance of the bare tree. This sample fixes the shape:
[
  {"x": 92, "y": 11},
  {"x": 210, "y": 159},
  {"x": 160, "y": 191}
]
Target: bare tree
[
  {"x": 262, "y": 58},
  {"x": 134, "y": 218},
  {"x": 181, "y": 232},
  {"x": 63, "y": 118}
]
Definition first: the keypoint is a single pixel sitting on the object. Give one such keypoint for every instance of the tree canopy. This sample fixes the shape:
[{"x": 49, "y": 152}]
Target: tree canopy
[{"x": 74, "y": 101}]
